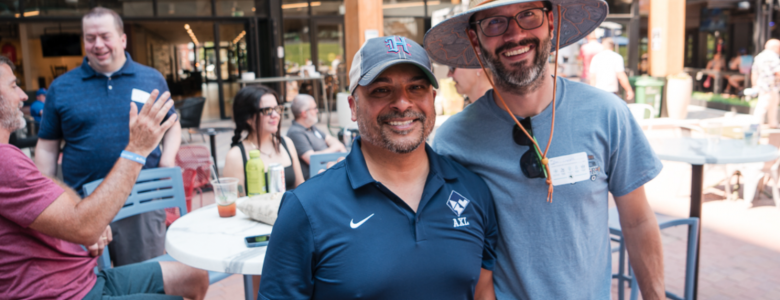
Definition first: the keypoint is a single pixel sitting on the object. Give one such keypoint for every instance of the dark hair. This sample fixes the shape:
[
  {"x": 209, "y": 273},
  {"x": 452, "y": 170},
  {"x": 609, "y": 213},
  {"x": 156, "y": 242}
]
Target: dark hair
[
  {"x": 102, "y": 11},
  {"x": 246, "y": 105}
]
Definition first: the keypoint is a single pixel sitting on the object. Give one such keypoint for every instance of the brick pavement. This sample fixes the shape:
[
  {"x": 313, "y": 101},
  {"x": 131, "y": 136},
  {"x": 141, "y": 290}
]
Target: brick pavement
[{"x": 740, "y": 255}]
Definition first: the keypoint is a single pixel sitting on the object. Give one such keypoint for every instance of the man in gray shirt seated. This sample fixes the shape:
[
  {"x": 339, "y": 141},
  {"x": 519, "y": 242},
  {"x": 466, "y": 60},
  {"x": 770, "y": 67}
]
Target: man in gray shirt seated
[{"x": 310, "y": 140}]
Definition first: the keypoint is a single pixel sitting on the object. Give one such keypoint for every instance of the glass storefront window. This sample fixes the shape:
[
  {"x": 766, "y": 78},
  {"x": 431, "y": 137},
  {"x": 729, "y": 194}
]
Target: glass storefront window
[
  {"x": 136, "y": 8},
  {"x": 295, "y": 8},
  {"x": 55, "y": 8},
  {"x": 327, "y": 7},
  {"x": 412, "y": 28},
  {"x": 166, "y": 8},
  {"x": 406, "y": 8},
  {"x": 297, "y": 45},
  {"x": 619, "y": 6},
  {"x": 447, "y": 5},
  {"x": 9, "y": 7},
  {"x": 233, "y": 8}
]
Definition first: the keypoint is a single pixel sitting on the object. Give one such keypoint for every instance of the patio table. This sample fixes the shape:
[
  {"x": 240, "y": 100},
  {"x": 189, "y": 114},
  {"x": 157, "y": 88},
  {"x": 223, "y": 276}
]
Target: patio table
[
  {"x": 203, "y": 240},
  {"x": 695, "y": 152}
]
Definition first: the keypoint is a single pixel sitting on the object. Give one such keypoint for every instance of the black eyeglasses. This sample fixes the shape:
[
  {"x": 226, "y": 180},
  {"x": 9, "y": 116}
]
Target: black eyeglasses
[
  {"x": 527, "y": 19},
  {"x": 452, "y": 69},
  {"x": 267, "y": 111},
  {"x": 530, "y": 162}
]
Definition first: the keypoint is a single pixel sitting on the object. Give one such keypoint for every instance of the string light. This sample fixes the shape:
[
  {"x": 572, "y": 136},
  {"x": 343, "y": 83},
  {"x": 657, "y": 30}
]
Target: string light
[
  {"x": 239, "y": 37},
  {"x": 192, "y": 35}
]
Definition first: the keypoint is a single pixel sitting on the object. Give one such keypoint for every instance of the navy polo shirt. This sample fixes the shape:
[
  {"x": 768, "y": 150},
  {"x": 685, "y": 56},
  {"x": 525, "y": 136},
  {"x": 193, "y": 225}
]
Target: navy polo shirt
[
  {"x": 343, "y": 235},
  {"x": 91, "y": 113}
]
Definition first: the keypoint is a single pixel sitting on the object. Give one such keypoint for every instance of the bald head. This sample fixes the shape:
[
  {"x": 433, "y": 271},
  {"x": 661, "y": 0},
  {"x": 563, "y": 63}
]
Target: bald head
[
  {"x": 773, "y": 44},
  {"x": 300, "y": 104},
  {"x": 592, "y": 36}
]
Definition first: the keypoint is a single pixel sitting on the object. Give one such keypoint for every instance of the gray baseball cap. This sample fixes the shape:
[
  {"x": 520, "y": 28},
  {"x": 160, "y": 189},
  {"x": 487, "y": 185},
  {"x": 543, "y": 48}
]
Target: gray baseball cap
[{"x": 380, "y": 53}]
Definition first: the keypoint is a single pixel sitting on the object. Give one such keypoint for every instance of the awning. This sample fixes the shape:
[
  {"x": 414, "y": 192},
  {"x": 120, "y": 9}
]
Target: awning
[{"x": 720, "y": 3}]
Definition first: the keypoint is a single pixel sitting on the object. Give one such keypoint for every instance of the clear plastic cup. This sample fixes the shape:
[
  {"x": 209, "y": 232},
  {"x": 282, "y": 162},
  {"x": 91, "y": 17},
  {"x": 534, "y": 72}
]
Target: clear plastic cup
[
  {"x": 713, "y": 131},
  {"x": 225, "y": 194}
]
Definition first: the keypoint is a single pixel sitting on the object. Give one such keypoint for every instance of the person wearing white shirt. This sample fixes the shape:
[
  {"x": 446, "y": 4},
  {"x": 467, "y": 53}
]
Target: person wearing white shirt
[{"x": 606, "y": 70}]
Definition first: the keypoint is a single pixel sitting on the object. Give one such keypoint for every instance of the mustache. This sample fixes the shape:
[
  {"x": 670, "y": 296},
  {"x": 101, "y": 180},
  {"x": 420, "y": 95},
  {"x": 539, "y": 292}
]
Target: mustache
[
  {"x": 526, "y": 41},
  {"x": 405, "y": 114}
]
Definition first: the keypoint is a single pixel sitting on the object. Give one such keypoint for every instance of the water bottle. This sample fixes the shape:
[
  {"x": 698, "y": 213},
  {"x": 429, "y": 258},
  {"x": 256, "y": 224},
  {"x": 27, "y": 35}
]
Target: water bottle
[{"x": 255, "y": 174}]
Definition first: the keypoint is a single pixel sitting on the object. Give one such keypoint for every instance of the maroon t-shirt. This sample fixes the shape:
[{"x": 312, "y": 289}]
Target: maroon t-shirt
[{"x": 34, "y": 265}]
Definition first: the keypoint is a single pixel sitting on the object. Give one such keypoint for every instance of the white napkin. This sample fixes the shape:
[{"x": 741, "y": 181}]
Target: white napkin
[{"x": 263, "y": 208}]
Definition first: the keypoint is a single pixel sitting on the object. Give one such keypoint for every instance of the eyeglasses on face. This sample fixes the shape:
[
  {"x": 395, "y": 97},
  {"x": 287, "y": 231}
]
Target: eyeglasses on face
[
  {"x": 530, "y": 162},
  {"x": 267, "y": 111},
  {"x": 527, "y": 20}
]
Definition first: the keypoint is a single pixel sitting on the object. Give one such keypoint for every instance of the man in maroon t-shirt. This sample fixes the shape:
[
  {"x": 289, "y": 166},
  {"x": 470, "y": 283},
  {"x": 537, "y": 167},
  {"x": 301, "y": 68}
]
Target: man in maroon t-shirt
[{"x": 43, "y": 223}]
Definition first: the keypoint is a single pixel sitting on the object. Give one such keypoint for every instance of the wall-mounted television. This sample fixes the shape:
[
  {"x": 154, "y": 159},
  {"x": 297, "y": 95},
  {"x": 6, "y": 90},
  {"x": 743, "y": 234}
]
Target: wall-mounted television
[{"x": 64, "y": 44}]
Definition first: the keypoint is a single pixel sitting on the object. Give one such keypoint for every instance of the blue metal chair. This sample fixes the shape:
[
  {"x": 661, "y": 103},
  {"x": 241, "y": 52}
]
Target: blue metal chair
[
  {"x": 663, "y": 222},
  {"x": 154, "y": 189},
  {"x": 319, "y": 162}
]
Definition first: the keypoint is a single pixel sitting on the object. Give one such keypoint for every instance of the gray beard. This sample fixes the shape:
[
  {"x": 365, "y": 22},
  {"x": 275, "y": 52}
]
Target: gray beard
[
  {"x": 11, "y": 118},
  {"x": 524, "y": 80}
]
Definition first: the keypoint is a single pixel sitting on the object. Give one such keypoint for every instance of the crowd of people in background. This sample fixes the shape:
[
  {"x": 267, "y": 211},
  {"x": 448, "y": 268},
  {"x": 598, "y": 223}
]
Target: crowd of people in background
[{"x": 470, "y": 215}]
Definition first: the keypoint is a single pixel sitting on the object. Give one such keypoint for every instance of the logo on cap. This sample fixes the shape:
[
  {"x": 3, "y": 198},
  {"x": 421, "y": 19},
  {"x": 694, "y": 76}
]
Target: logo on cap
[{"x": 396, "y": 44}]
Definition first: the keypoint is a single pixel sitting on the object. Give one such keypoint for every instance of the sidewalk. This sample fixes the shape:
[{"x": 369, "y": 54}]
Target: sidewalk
[{"x": 740, "y": 254}]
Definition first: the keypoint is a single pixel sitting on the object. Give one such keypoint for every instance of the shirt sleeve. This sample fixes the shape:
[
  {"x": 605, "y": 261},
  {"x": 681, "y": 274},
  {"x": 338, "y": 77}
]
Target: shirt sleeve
[
  {"x": 300, "y": 141},
  {"x": 491, "y": 231},
  {"x": 289, "y": 260},
  {"x": 632, "y": 162},
  {"x": 50, "y": 128},
  {"x": 24, "y": 192}
]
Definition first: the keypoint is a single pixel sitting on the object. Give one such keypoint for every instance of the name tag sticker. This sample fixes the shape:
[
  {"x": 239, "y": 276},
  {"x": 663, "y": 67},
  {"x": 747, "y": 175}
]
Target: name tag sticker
[
  {"x": 140, "y": 96},
  {"x": 569, "y": 168}
]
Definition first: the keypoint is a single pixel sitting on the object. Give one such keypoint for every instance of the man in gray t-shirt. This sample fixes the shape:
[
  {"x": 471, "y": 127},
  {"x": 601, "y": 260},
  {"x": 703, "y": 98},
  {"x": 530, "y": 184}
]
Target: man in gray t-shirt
[
  {"x": 552, "y": 205},
  {"x": 308, "y": 139}
]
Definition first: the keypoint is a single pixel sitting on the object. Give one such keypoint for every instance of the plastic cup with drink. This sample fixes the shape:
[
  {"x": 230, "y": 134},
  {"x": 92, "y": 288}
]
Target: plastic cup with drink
[{"x": 225, "y": 194}]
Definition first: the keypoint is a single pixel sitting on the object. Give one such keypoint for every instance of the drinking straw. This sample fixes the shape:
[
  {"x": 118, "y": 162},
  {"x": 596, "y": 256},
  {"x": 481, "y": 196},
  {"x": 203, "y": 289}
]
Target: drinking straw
[{"x": 214, "y": 173}]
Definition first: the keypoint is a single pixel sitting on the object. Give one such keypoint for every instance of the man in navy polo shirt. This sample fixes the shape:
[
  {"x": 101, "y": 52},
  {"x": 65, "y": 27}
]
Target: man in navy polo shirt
[
  {"x": 394, "y": 220},
  {"x": 87, "y": 108}
]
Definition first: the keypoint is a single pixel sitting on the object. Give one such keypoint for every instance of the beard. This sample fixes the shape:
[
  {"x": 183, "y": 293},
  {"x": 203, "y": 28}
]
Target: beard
[
  {"x": 11, "y": 118},
  {"x": 524, "y": 78},
  {"x": 380, "y": 135}
]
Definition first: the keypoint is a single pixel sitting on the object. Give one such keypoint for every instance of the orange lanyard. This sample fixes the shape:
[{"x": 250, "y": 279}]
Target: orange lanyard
[{"x": 544, "y": 161}]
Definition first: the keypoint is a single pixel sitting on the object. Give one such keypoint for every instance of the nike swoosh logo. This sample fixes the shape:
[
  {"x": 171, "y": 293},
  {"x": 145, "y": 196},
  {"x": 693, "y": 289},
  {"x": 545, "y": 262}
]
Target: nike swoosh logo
[{"x": 356, "y": 225}]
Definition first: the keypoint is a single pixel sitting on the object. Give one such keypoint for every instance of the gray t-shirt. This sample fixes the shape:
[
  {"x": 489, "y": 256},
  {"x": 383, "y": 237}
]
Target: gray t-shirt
[
  {"x": 557, "y": 250},
  {"x": 306, "y": 139}
]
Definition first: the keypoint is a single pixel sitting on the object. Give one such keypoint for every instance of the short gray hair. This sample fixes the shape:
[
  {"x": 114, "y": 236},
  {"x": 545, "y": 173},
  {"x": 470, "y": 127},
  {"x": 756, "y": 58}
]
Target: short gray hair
[
  {"x": 102, "y": 11},
  {"x": 300, "y": 103},
  {"x": 6, "y": 61}
]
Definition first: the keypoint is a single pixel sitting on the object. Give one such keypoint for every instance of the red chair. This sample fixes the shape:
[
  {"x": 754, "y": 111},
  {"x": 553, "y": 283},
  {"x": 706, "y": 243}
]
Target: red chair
[{"x": 195, "y": 163}]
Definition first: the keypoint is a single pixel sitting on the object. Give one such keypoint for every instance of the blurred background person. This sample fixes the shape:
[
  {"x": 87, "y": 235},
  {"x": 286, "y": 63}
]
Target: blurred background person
[
  {"x": 607, "y": 70},
  {"x": 257, "y": 112},
  {"x": 737, "y": 64},
  {"x": 307, "y": 138},
  {"x": 717, "y": 64},
  {"x": 472, "y": 83},
  {"x": 87, "y": 108},
  {"x": 36, "y": 108},
  {"x": 766, "y": 73},
  {"x": 587, "y": 52}
]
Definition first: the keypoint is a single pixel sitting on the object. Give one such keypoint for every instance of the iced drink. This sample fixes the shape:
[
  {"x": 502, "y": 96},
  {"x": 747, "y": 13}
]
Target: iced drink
[{"x": 225, "y": 194}]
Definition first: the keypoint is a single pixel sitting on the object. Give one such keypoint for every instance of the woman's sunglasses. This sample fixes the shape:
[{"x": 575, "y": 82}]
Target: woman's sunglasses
[
  {"x": 530, "y": 162},
  {"x": 267, "y": 111}
]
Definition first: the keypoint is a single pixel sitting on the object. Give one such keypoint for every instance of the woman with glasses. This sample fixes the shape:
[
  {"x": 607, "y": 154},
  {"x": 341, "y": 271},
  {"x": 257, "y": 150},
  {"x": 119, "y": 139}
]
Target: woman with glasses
[{"x": 257, "y": 114}]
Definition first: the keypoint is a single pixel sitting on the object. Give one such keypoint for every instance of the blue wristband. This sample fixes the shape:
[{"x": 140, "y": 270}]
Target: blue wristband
[{"x": 133, "y": 156}]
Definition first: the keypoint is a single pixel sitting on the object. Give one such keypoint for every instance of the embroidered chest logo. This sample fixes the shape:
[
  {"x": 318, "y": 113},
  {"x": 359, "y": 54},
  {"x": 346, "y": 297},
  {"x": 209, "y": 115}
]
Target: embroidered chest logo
[
  {"x": 397, "y": 44},
  {"x": 457, "y": 203}
]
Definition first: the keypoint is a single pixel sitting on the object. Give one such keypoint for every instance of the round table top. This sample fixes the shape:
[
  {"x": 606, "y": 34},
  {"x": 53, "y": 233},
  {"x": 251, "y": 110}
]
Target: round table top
[
  {"x": 203, "y": 240},
  {"x": 213, "y": 130},
  {"x": 696, "y": 152}
]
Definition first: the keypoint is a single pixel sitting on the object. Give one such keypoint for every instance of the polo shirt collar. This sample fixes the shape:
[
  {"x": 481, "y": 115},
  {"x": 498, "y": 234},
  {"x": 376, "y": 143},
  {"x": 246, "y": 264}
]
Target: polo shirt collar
[
  {"x": 357, "y": 170},
  {"x": 295, "y": 123},
  {"x": 128, "y": 68}
]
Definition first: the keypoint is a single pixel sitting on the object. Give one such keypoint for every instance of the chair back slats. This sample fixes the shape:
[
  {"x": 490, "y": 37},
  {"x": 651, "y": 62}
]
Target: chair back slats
[{"x": 155, "y": 189}]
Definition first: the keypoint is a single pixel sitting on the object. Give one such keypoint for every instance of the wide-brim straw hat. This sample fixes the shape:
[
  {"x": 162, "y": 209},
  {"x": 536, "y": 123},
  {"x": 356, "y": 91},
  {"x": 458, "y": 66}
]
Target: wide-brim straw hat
[{"x": 447, "y": 43}]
